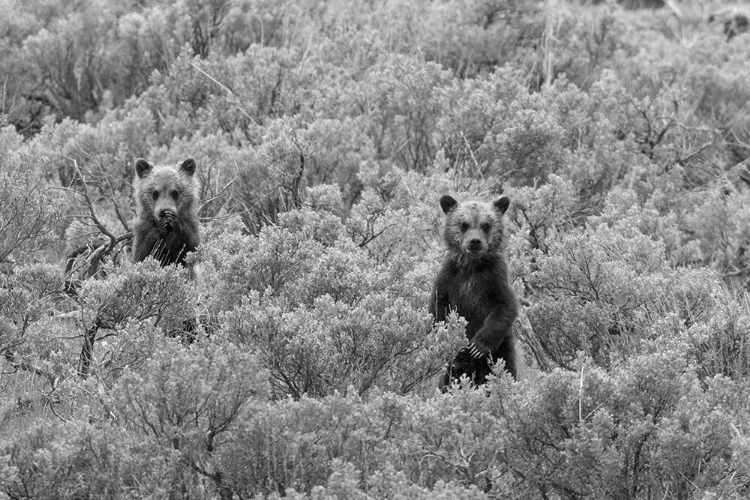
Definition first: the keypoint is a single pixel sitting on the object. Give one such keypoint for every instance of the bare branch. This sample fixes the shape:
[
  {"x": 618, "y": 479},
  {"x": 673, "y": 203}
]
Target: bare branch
[
  {"x": 20, "y": 364},
  {"x": 227, "y": 90},
  {"x": 90, "y": 206}
]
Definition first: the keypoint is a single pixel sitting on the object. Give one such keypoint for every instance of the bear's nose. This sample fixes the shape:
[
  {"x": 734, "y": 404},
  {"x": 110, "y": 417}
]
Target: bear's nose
[{"x": 475, "y": 243}]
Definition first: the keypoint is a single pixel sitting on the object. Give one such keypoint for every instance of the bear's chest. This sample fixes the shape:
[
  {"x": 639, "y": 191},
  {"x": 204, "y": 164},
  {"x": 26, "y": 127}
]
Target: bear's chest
[
  {"x": 468, "y": 287},
  {"x": 469, "y": 294}
]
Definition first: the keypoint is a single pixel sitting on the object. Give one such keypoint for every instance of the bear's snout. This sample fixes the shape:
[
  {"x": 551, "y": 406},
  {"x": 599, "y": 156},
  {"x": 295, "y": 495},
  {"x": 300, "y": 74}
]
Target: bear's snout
[{"x": 474, "y": 241}]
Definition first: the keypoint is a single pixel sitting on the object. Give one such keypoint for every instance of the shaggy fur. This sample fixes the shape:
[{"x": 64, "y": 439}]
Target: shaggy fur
[
  {"x": 473, "y": 280},
  {"x": 167, "y": 225}
]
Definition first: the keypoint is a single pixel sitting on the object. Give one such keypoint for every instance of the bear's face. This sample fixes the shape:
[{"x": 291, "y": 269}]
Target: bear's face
[
  {"x": 473, "y": 229},
  {"x": 163, "y": 193}
]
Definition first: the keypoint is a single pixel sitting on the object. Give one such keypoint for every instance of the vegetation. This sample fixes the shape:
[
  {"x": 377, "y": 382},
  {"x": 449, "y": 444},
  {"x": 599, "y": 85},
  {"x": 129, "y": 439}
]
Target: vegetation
[{"x": 301, "y": 361}]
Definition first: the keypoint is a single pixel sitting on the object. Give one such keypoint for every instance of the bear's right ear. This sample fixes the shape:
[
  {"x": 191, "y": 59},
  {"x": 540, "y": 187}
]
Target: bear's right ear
[
  {"x": 447, "y": 203},
  {"x": 142, "y": 167},
  {"x": 502, "y": 204},
  {"x": 188, "y": 166}
]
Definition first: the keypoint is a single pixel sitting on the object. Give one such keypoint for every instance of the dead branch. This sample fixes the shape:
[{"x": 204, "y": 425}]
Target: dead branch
[{"x": 19, "y": 363}]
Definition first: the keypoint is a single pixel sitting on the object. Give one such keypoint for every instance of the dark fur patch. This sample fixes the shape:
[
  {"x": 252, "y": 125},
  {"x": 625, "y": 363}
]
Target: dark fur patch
[{"x": 477, "y": 370}]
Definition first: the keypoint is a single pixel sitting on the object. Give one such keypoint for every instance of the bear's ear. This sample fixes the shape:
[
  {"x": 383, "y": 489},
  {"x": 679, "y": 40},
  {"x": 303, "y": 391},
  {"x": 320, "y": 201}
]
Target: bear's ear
[
  {"x": 447, "y": 203},
  {"x": 502, "y": 204},
  {"x": 188, "y": 166},
  {"x": 142, "y": 168}
]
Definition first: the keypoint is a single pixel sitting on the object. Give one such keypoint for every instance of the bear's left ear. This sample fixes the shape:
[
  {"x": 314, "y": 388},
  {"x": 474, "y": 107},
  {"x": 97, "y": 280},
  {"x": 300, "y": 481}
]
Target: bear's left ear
[
  {"x": 502, "y": 204},
  {"x": 447, "y": 203},
  {"x": 188, "y": 166}
]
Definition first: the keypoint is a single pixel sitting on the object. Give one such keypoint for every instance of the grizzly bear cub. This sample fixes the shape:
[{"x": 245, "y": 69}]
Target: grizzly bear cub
[
  {"x": 473, "y": 281},
  {"x": 167, "y": 225}
]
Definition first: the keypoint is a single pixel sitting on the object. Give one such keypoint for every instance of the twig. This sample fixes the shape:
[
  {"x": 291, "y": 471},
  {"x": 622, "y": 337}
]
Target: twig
[
  {"x": 90, "y": 206},
  {"x": 228, "y": 91},
  {"x": 18, "y": 363},
  {"x": 580, "y": 398},
  {"x": 473, "y": 158},
  {"x": 114, "y": 198}
]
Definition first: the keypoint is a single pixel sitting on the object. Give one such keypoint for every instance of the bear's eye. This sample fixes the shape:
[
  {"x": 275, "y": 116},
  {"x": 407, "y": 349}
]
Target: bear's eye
[
  {"x": 174, "y": 194},
  {"x": 155, "y": 194},
  {"x": 486, "y": 227},
  {"x": 464, "y": 227}
]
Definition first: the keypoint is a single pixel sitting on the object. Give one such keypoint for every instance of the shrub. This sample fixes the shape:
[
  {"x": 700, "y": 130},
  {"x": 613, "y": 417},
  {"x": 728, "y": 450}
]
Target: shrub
[
  {"x": 600, "y": 289},
  {"x": 29, "y": 214}
]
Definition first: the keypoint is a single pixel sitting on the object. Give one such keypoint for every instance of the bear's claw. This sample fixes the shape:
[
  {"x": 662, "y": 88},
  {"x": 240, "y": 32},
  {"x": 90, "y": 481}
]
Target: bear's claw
[{"x": 476, "y": 351}]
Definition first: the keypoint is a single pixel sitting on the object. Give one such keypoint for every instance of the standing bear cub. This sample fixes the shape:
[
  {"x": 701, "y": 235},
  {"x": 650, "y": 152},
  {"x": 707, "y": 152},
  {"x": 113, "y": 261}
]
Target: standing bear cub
[
  {"x": 167, "y": 225},
  {"x": 473, "y": 281}
]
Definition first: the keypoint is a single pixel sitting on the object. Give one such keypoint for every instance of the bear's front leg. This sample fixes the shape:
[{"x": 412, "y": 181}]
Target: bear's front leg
[{"x": 497, "y": 328}]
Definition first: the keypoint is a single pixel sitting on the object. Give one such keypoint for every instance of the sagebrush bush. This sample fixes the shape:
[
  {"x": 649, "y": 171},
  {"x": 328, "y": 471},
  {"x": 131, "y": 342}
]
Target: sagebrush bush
[{"x": 598, "y": 290}]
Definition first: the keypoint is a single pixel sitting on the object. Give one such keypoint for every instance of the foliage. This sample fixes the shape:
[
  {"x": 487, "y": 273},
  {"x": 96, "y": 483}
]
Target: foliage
[
  {"x": 296, "y": 358},
  {"x": 600, "y": 292},
  {"x": 28, "y": 213}
]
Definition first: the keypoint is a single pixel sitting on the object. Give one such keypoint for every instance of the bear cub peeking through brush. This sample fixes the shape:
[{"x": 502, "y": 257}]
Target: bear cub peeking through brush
[
  {"x": 167, "y": 225},
  {"x": 473, "y": 281}
]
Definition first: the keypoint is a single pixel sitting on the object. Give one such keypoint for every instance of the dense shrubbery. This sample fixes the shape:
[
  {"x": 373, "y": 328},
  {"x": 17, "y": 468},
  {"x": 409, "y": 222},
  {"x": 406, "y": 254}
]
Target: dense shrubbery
[{"x": 301, "y": 361}]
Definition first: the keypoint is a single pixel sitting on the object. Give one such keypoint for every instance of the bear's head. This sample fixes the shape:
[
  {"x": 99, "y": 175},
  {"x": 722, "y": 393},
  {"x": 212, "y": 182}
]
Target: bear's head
[
  {"x": 164, "y": 194},
  {"x": 473, "y": 229}
]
